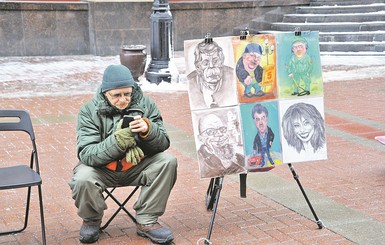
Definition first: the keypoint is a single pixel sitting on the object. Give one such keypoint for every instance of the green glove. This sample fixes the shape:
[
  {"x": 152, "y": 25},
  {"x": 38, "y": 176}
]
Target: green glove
[
  {"x": 124, "y": 137},
  {"x": 134, "y": 155}
]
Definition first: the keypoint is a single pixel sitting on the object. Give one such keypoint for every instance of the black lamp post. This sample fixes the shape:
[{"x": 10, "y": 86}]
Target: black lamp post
[{"x": 161, "y": 38}]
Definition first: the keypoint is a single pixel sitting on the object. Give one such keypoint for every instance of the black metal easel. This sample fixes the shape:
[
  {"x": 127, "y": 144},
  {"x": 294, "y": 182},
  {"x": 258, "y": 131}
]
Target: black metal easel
[{"x": 214, "y": 191}]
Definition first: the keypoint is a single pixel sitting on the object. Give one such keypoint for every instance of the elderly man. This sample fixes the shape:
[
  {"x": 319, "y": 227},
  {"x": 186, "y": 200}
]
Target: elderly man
[{"x": 110, "y": 155}]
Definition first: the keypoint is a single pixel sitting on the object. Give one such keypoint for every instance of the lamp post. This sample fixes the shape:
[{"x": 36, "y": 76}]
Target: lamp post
[
  {"x": 161, "y": 37},
  {"x": 267, "y": 50}
]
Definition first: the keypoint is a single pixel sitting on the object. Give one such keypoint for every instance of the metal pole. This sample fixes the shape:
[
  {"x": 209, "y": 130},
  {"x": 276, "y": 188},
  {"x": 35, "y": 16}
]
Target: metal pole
[
  {"x": 296, "y": 177},
  {"x": 217, "y": 192},
  {"x": 161, "y": 37}
]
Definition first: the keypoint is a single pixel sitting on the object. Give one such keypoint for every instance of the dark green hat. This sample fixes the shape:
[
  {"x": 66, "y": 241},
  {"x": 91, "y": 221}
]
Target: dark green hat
[
  {"x": 116, "y": 76},
  {"x": 300, "y": 40}
]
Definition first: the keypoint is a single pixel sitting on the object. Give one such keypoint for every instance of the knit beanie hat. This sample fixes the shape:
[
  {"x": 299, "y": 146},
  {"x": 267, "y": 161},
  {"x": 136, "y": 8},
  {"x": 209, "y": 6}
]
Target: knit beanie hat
[
  {"x": 116, "y": 76},
  {"x": 253, "y": 48}
]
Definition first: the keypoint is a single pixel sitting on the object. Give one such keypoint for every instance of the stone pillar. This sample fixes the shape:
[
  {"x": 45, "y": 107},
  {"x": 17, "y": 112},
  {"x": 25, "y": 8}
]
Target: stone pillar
[{"x": 158, "y": 69}]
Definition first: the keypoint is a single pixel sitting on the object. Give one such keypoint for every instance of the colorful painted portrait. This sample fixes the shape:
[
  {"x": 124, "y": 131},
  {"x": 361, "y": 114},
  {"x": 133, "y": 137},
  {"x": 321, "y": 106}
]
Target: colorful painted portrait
[
  {"x": 303, "y": 130},
  {"x": 299, "y": 65},
  {"x": 261, "y": 134},
  {"x": 218, "y": 142},
  {"x": 210, "y": 73},
  {"x": 255, "y": 67}
]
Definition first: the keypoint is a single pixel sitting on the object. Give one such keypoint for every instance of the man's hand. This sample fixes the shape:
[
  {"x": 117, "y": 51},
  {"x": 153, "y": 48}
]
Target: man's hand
[
  {"x": 134, "y": 155},
  {"x": 124, "y": 137},
  {"x": 139, "y": 125}
]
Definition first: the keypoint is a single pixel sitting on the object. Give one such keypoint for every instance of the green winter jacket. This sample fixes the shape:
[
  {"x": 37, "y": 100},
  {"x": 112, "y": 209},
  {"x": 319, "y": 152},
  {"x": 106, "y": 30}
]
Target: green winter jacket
[{"x": 97, "y": 121}]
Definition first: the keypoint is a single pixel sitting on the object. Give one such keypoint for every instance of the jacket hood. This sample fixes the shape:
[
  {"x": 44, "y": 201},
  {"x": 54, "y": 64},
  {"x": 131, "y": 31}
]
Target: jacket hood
[{"x": 103, "y": 107}]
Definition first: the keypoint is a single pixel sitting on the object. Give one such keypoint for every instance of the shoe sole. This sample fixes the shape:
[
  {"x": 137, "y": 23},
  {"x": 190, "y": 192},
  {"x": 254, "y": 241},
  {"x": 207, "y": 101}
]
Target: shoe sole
[
  {"x": 155, "y": 240},
  {"x": 83, "y": 240}
]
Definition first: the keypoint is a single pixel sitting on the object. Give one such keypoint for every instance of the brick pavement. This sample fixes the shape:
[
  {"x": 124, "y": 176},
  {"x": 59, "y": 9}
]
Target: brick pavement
[{"x": 351, "y": 181}]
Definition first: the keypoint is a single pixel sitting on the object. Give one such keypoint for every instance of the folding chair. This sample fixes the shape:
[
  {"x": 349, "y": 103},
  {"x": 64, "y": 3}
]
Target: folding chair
[
  {"x": 21, "y": 175},
  {"x": 121, "y": 205}
]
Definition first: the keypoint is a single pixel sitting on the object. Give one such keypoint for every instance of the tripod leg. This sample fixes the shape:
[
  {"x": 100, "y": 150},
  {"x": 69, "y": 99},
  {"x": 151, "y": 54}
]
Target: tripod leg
[
  {"x": 210, "y": 194},
  {"x": 217, "y": 188},
  {"x": 242, "y": 181},
  {"x": 296, "y": 177}
]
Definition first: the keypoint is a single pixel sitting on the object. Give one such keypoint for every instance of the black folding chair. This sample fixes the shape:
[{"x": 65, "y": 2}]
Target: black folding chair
[
  {"x": 121, "y": 205},
  {"x": 15, "y": 175}
]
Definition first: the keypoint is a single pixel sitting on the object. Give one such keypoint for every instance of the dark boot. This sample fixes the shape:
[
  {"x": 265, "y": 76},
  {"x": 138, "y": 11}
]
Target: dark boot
[
  {"x": 89, "y": 233},
  {"x": 155, "y": 232}
]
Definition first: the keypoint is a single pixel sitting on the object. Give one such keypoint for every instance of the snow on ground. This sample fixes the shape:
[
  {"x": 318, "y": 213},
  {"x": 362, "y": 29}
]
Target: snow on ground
[
  {"x": 71, "y": 75},
  {"x": 342, "y": 68}
]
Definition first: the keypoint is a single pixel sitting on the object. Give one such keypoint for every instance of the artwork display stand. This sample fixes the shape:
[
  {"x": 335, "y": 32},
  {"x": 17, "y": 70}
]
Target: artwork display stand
[
  {"x": 214, "y": 191},
  {"x": 274, "y": 77}
]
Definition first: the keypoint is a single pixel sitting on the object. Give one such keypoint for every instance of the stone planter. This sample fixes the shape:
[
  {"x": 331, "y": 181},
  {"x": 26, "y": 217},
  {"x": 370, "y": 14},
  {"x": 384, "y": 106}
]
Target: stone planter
[{"x": 134, "y": 58}]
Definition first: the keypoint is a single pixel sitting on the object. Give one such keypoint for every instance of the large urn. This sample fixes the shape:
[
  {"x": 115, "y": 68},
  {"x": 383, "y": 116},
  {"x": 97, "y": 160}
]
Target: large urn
[{"x": 134, "y": 58}]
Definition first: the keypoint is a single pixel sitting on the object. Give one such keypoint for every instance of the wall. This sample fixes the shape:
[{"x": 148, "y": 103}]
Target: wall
[
  {"x": 28, "y": 29},
  {"x": 102, "y": 27}
]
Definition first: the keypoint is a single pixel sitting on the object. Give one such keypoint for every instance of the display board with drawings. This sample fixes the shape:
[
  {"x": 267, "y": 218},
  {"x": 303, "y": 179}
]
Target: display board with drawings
[{"x": 256, "y": 102}]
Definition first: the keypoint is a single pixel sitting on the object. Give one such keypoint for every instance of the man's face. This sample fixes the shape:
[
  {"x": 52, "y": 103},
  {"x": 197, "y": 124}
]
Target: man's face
[
  {"x": 120, "y": 98},
  {"x": 251, "y": 61},
  {"x": 211, "y": 68},
  {"x": 303, "y": 129},
  {"x": 299, "y": 49},
  {"x": 260, "y": 120},
  {"x": 213, "y": 132}
]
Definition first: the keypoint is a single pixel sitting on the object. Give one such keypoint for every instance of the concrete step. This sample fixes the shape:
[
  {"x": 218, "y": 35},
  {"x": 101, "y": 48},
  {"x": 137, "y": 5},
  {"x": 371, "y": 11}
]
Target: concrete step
[
  {"x": 341, "y": 9},
  {"x": 346, "y": 2},
  {"x": 325, "y": 18},
  {"x": 331, "y": 27}
]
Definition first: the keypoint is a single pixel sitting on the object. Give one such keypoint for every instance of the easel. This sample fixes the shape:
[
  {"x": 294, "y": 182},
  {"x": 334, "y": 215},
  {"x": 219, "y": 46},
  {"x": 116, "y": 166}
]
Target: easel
[
  {"x": 214, "y": 191},
  {"x": 215, "y": 185}
]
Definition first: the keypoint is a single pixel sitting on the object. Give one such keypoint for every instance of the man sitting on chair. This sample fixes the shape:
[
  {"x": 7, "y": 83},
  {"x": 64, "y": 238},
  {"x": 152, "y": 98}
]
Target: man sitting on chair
[{"x": 110, "y": 155}]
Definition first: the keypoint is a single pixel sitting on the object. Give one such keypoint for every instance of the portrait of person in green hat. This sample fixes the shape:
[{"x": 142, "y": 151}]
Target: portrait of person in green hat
[{"x": 300, "y": 67}]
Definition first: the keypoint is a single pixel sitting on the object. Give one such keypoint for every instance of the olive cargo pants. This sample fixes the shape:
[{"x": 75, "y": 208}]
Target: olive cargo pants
[{"x": 156, "y": 174}]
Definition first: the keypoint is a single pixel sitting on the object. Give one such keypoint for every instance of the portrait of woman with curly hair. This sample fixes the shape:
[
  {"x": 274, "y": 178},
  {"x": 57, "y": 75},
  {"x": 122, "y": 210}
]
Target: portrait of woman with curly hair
[{"x": 303, "y": 128}]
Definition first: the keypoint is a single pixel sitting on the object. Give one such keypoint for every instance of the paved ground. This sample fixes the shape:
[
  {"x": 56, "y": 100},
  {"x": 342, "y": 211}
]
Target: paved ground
[{"x": 347, "y": 190}]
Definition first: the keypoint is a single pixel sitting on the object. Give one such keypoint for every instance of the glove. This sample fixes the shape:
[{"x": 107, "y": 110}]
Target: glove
[
  {"x": 134, "y": 155},
  {"x": 124, "y": 136}
]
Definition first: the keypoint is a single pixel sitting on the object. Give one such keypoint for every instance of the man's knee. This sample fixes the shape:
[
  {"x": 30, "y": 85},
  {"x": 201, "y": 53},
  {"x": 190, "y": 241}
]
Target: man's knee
[
  {"x": 172, "y": 162},
  {"x": 83, "y": 180},
  {"x": 162, "y": 165}
]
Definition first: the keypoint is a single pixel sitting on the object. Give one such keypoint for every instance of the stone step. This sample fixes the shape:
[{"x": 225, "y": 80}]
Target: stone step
[
  {"x": 350, "y": 53},
  {"x": 347, "y": 2},
  {"x": 364, "y": 36},
  {"x": 341, "y": 9},
  {"x": 325, "y": 18},
  {"x": 352, "y": 46},
  {"x": 358, "y": 29},
  {"x": 331, "y": 27}
]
